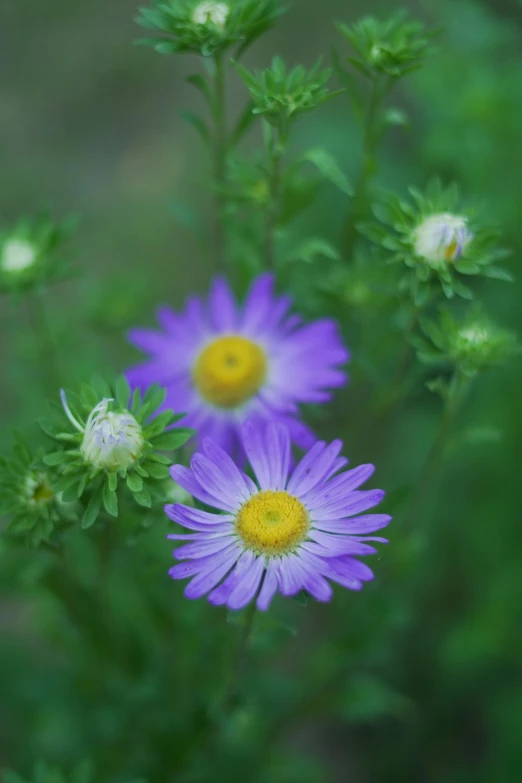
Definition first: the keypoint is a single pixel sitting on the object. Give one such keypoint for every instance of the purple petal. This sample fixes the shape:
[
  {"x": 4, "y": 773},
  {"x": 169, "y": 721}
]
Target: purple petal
[
  {"x": 315, "y": 467},
  {"x": 207, "y": 579},
  {"x": 241, "y": 484},
  {"x": 258, "y": 303},
  {"x": 208, "y": 545},
  {"x": 364, "y": 524},
  {"x": 220, "y": 595},
  {"x": 318, "y": 587},
  {"x": 247, "y": 586},
  {"x": 253, "y": 443},
  {"x": 337, "y": 488},
  {"x": 193, "y": 519},
  {"x": 186, "y": 479},
  {"x": 209, "y": 475},
  {"x": 355, "y": 503},
  {"x": 291, "y": 575},
  {"x": 328, "y": 545},
  {"x": 223, "y": 307},
  {"x": 269, "y": 588}
]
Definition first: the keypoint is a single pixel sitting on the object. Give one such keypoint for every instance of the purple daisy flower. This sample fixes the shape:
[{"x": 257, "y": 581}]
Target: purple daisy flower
[
  {"x": 223, "y": 363},
  {"x": 282, "y": 532}
]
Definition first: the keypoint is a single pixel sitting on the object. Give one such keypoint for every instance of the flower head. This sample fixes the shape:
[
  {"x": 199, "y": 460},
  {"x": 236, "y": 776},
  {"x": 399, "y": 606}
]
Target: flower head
[
  {"x": 286, "y": 531},
  {"x": 17, "y": 255},
  {"x": 209, "y": 26},
  {"x": 282, "y": 95},
  {"x": 394, "y": 47},
  {"x": 441, "y": 238},
  {"x": 113, "y": 438},
  {"x": 472, "y": 344},
  {"x": 28, "y": 254},
  {"x": 224, "y": 363},
  {"x": 438, "y": 246},
  {"x": 211, "y": 12},
  {"x": 29, "y": 497}
]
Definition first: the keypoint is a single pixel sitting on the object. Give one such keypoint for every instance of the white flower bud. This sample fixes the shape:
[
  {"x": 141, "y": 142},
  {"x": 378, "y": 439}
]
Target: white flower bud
[
  {"x": 441, "y": 237},
  {"x": 17, "y": 255},
  {"x": 216, "y": 13},
  {"x": 111, "y": 440}
]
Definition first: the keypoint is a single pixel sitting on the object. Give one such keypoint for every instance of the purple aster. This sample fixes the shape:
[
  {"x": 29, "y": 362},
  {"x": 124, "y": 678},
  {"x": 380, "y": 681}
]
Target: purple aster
[
  {"x": 286, "y": 531},
  {"x": 223, "y": 363}
]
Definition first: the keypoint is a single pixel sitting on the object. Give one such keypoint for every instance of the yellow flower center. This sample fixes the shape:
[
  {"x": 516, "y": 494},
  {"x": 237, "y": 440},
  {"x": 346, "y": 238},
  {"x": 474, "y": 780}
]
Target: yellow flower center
[
  {"x": 229, "y": 371},
  {"x": 272, "y": 523}
]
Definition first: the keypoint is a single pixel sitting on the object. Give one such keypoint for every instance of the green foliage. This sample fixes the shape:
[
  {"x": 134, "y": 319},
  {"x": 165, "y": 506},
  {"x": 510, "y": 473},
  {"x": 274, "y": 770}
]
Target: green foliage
[
  {"x": 281, "y": 96},
  {"x": 29, "y": 497},
  {"x": 101, "y": 656},
  {"x": 30, "y": 253},
  {"x": 109, "y": 439},
  {"x": 423, "y": 235},
  {"x": 207, "y": 28},
  {"x": 44, "y": 773},
  {"x": 471, "y": 344},
  {"x": 394, "y": 47}
]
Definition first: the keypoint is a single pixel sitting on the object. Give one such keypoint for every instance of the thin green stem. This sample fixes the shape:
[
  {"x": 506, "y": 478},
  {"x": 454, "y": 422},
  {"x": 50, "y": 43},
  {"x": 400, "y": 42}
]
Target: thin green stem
[
  {"x": 272, "y": 210},
  {"x": 393, "y": 394},
  {"x": 238, "y": 663},
  {"x": 220, "y": 145},
  {"x": 44, "y": 340},
  {"x": 457, "y": 390},
  {"x": 371, "y": 138}
]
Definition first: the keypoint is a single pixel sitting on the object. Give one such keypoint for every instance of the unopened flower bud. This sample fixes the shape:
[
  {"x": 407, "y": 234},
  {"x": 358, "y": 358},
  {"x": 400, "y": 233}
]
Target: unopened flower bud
[
  {"x": 215, "y": 13},
  {"x": 441, "y": 237},
  {"x": 17, "y": 255},
  {"x": 111, "y": 440}
]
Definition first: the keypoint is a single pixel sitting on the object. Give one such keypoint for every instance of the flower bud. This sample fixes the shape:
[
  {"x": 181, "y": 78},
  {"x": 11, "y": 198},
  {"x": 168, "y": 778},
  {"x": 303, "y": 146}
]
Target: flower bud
[
  {"x": 215, "y": 13},
  {"x": 441, "y": 237},
  {"x": 17, "y": 255},
  {"x": 111, "y": 440}
]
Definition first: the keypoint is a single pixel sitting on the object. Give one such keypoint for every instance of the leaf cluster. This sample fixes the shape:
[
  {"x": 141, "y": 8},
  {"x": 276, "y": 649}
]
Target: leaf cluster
[
  {"x": 46, "y": 239},
  {"x": 143, "y": 478},
  {"x": 281, "y": 96},
  {"x": 393, "y": 231},
  {"x": 394, "y": 47},
  {"x": 245, "y": 22}
]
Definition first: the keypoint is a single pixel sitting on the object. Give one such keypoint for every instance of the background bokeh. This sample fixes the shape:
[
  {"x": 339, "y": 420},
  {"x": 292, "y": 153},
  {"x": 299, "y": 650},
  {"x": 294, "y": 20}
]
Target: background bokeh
[{"x": 431, "y": 689}]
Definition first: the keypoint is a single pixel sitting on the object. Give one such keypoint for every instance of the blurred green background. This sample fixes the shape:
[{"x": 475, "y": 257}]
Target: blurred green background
[{"x": 431, "y": 689}]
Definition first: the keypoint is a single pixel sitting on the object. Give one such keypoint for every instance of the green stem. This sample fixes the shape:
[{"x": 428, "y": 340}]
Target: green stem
[
  {"x": 371, "y": 137},
  {"x": 238, "y": 662},
  {"x": 394, "y": 393},
  {"x": 220, "y": 145},
  {"x": 457, "y": 390},
  {"x": 272, "y": 210},
  {"x": 45, "y": 343}
]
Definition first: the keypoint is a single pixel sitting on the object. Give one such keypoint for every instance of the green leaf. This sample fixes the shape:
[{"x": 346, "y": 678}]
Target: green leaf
[
  {"x": 92, "y": 511},
  {"x": 244, "y": 122},
  {"x": 173, "y": 440},
  {"x": 157, "y": 470},
  {"x": 134, "y": 482},
  {"x": 112, "y": 480},
  {"x": 200, "y": 83},
  {"x": 56, "y": 458},
  {"x": 158, "y": 425},
  {"x": 311, "y": 248},
  {"x": 328, "y": 167},
  {"x": 143, "y": 498},
  {"x": 197, "y": 123},
  {"x": 122, "y": 392},
  {"x": 110, "y": 500}
]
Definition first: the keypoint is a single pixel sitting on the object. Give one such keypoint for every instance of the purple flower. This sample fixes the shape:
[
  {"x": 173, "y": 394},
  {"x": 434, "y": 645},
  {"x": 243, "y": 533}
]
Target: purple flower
[
  {"x": 278, "y": 533},
  {"x": 223, "y": 363}
]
